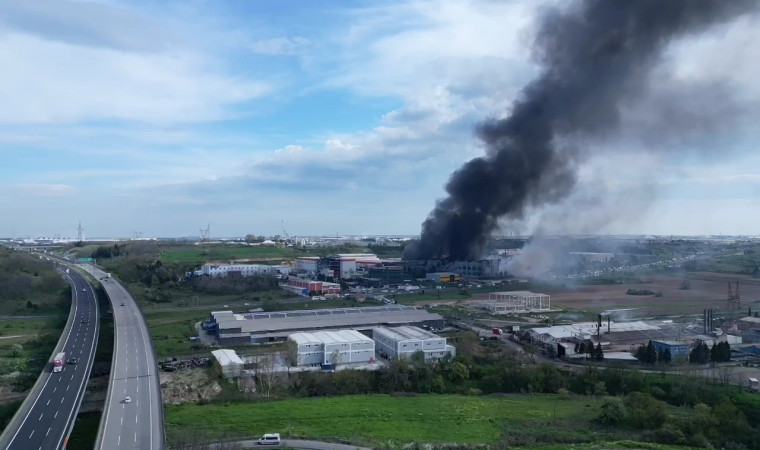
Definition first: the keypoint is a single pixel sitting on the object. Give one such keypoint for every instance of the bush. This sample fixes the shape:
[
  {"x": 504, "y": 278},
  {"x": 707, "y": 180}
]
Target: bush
[
  {"x": 612, "y": 412},
  {"x": 668, "y": 436},
  {"x": 644, "y": 411}
]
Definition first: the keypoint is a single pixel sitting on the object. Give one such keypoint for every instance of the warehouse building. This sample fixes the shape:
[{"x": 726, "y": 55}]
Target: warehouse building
[
  {"x": 244, "y": 270},
  {"x": 677, "y": 349},
  {"x": 263, "y": 327},
  {"x": 332, "y": 348},
  {"x": 228, "y": 363},
  {"x": 402, "y": 342}
]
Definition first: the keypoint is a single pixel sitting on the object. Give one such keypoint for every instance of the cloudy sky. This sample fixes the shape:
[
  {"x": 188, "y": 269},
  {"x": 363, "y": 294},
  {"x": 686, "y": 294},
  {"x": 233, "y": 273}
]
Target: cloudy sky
[{"x": 336, "y": 117}]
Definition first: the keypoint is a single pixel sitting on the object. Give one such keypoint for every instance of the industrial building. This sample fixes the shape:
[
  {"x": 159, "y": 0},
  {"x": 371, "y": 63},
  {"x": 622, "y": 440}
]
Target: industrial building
[
  {"x": 385, "y": 275},
  {"x": 677, "y": 349},
  {"x": 312, "y": 287},
  {"x": 402, "y": 342},
  {"x": 263, "y": 327},
  {"x": 332, "y": 348},
  {"x": 444, "y": 277},
  {"x": 245, "y": 270},
  {"x": 228, "y": 363},
  {"x": 517, "y": 301},
  {"x": 749, "y": 324},
  {"x": 307, "y": 265}
]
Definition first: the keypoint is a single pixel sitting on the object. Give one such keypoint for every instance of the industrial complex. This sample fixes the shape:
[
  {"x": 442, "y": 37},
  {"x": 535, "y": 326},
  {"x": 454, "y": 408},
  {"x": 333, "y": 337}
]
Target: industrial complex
[{"x": 262, "y": 327}]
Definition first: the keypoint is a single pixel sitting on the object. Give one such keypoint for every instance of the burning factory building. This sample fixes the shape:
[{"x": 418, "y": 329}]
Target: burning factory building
[{"x": 597, "y": 61}]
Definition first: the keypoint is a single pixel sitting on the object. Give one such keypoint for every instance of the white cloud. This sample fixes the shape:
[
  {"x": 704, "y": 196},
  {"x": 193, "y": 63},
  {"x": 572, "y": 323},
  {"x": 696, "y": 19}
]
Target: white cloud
[{"x": 280, "y": 45}]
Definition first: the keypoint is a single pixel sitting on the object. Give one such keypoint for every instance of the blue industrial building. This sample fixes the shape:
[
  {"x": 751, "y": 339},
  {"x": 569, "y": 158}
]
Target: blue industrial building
[{"x": 677, "y": 349}]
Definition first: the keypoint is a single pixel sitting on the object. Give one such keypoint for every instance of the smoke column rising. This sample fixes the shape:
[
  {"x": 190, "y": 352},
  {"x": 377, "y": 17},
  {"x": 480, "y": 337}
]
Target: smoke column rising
[{"x": 596, "y": 56}]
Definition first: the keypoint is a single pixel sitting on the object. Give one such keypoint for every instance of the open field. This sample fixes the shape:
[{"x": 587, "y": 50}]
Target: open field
[
  {"x": 377, "y": 419},
  {"x": 224, "y": 253},
  {"x": 706, "y": 290}
]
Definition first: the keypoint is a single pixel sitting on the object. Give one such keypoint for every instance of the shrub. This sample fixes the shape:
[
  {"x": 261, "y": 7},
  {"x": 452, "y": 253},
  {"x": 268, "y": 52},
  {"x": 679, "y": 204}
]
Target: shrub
[{"x": 612, "y": 411}]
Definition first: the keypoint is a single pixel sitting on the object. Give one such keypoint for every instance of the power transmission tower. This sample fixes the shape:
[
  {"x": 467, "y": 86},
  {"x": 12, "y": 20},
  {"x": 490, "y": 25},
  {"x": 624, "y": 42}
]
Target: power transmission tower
[
  {"x": 206, "y": 234},
  {"x": 80, "y": 232}
]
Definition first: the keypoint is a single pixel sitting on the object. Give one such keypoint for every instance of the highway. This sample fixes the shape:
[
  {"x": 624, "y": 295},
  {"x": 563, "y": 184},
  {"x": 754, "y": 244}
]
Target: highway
[
  {"x": 139, "y": 423},
  {"x": 47, "y": 423}
]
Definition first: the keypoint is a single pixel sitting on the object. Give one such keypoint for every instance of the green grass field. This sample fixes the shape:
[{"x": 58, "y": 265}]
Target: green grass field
[
  {"x": 200, "y": 254},
  {"x": 377, "y": 419},
  {"x": 171, "y": 331}
]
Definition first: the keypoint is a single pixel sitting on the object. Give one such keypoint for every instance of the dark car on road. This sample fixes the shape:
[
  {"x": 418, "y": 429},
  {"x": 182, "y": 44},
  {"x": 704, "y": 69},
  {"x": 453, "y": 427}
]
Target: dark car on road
[{"x": 72, "y": 360}]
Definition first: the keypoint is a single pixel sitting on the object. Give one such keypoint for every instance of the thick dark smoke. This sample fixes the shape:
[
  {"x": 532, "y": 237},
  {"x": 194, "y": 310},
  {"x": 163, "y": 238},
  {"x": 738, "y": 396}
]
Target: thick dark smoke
[{"x": 597, "y": 56}]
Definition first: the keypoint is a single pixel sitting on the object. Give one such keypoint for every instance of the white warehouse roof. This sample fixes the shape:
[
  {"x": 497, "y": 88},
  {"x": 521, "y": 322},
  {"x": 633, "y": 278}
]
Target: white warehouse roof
[
  {"x": 405, "y": 333},
  {"x": 329, "y": 337},
  {"x": 226, "y": 357}
]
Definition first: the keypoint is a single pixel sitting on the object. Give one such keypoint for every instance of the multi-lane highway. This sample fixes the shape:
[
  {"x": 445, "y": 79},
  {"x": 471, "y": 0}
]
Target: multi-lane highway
[
  {"x": 47, "y": 423},
  {"x": 136, "y": 423}
]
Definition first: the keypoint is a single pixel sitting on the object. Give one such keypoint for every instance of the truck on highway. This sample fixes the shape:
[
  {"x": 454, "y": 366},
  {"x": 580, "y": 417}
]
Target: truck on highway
[{"x": 59, "y": 361}]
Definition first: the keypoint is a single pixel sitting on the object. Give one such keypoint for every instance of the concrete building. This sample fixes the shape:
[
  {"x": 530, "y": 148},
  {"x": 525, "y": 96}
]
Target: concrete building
[
  {"x": 307, "y": 265},
  {"x": 677, "y": 349},
  {"x": 312, "y": 287},
  {"x": 332, "y": 348},
  {"x": 228, "y": 363},
  {"x": 382, "y": 275},
  {"x": 512, "y": 301},
  {"x": 263, "y": 327},
  {"x": 402, "y": 342}
]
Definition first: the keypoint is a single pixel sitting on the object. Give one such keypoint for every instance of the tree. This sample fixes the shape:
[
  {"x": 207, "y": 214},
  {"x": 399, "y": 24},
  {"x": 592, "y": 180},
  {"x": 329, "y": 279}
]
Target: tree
[
  {"x": 651, "y": 354},
  {"x": 598, "y": 352},
  {"x": 641, "y": 353},
  {"x": 335, "y": 358},
  {"x": 612, "y": 411},
  {"x": 266, "y": 373},
  {"x": 666, "y": 356},
  {"x": 581, "y": 348},
  {"x": 715, "y": 353},
  {"x": 700, "y": 354}
]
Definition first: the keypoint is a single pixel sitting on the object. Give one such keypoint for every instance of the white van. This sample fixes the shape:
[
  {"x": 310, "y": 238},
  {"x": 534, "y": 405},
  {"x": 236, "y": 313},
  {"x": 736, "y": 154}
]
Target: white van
[{"x": 269, "y": 439}]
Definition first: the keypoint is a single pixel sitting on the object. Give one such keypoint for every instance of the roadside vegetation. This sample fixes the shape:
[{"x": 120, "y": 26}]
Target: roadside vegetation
[
  {"x": 488, "y": 394},
  {"x": 28, "y": 287}
]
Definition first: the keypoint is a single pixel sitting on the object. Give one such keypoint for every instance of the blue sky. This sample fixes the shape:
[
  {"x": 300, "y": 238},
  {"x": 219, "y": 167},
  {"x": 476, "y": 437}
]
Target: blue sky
[{"x": 336, "y": 117}]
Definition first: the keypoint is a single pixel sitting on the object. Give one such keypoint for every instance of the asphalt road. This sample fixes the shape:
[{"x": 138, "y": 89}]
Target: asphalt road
[
  {"x": 48, "y": 422},
  {"x": 138, "y": 424}
]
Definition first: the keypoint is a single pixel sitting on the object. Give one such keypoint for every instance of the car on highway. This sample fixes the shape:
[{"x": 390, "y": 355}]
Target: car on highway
[
  {"x": 127, "y": 399},
  {"x": 84, "y": 321},
  {"x": 84, "y": 289},
  {"x": 269, "y": 439},
  {"x": 72, "y": 361},
  {"x": 122, "y": 304}
]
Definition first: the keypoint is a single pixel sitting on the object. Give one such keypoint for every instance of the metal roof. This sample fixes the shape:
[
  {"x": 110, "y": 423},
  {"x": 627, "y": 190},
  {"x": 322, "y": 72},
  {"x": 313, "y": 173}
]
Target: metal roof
[
  {"x": 406, "y": 333},
  {"x": 226, "y": 357},
  {"x": 325, "y": 318}
]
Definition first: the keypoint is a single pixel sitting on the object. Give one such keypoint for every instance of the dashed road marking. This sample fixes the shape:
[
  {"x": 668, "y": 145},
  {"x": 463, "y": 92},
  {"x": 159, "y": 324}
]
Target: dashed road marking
[{"x": 32, "y": 434}]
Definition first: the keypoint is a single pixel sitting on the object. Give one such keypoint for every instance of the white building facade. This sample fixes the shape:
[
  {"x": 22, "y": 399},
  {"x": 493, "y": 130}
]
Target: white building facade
[
  {"x": 228, "y": 362},
  {"x": 332, "y": 348},
  {"x": 402, "y": 342}
]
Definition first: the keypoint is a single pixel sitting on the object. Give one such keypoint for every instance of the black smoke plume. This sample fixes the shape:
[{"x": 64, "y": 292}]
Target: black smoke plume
[{"x": 597, "y": 56}]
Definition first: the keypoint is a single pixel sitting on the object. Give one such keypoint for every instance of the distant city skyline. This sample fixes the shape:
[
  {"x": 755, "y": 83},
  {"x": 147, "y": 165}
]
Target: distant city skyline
[{"x": 162, "y": 118}]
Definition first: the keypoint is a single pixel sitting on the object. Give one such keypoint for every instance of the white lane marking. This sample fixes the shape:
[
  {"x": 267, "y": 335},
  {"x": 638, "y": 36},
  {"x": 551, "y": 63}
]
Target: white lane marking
[
  {"x": 55, "y": 389},
  {"x": 30, "y": 436},
  {"x": 119, "y": 441},
  {"x": 122, "y": 421},
  {"x": 40, "y": 417},
  {"x": 48, "y": 402},
  {"x": 62, "y": 399},
  {"x": 56, "y": 415},
  {"x": 67, "y": 388},
  {"x": 48, "y": 431},
  {"x": 135, "y": 419},
  {"x": 135, "y": 437}
]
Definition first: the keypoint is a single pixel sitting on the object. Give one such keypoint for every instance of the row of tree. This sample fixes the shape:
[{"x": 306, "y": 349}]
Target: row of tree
[{"x": 700, "y": 354}]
